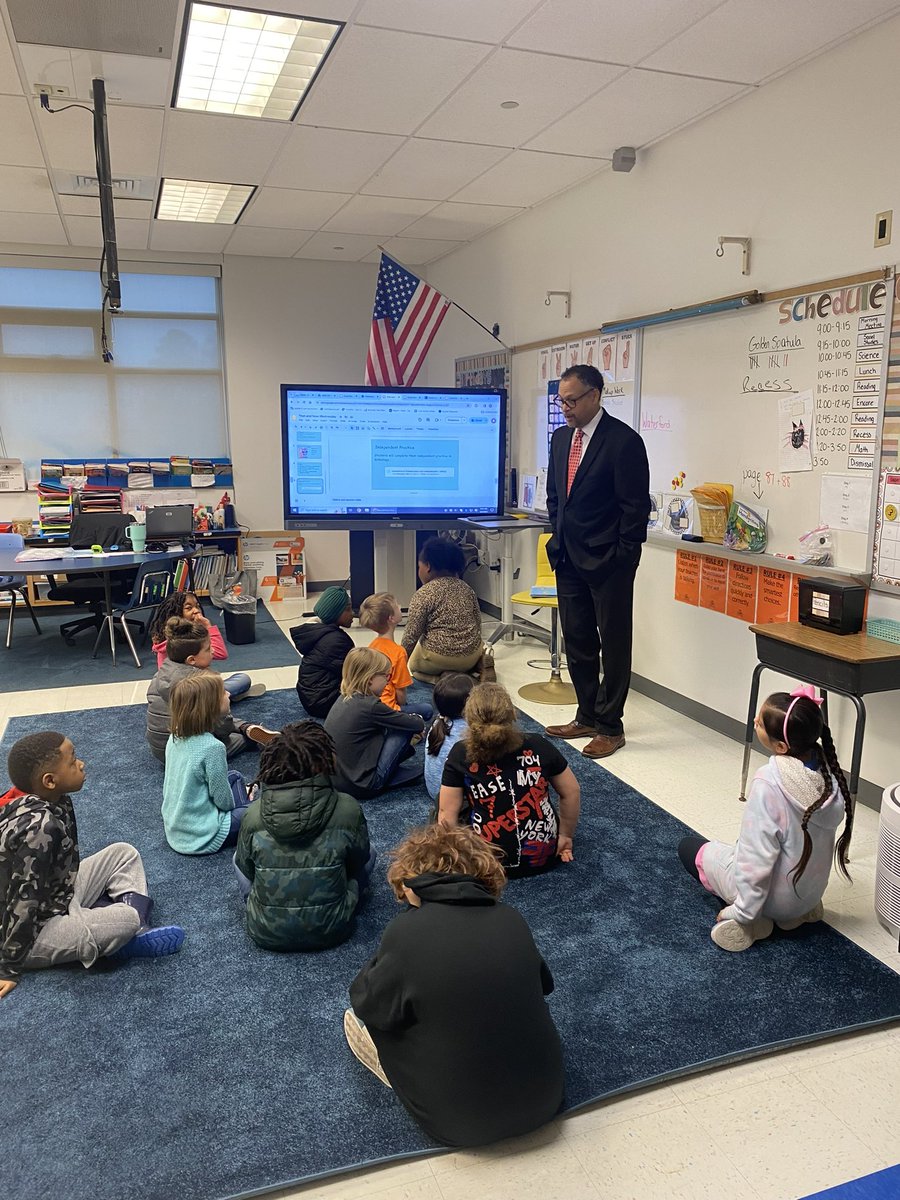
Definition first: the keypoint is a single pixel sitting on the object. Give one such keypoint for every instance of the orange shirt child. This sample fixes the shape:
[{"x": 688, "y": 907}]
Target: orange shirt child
[{"x": 399, "y": 677}]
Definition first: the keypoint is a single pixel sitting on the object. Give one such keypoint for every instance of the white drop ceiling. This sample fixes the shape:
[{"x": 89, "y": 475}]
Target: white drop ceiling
[{"x": 402, "y": 140}]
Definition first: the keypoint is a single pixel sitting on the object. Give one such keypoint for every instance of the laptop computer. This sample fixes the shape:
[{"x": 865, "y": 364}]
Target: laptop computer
[{"x": 170, "y": 522}]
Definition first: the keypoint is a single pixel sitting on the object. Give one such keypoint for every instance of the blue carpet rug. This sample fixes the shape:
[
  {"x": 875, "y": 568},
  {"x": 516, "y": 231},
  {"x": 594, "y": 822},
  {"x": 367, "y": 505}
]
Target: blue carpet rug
[
  {"x": 223, "y": 1070},
  {"x": 46, "y": 661},
  {"x": 883, "y": 1185}
]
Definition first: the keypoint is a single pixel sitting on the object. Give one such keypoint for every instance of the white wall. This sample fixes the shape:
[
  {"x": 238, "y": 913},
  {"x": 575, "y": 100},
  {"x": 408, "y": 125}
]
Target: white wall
[
  {"x": 292, "y": 321},
  {"x": 801, "y": 166}
]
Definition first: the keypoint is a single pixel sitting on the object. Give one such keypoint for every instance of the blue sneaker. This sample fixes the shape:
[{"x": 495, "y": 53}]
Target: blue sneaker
[{"x": 152, "y": 943}]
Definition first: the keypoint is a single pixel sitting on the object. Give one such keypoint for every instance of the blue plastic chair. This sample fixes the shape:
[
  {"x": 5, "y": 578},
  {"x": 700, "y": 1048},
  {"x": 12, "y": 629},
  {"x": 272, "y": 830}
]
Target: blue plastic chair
[
  {"x": 16, "y": 585},
  {"x": 153, "y": 582}
]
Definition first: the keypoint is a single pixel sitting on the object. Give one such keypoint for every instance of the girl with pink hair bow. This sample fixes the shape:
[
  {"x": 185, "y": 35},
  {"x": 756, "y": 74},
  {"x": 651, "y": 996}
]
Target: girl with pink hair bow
[{"x": 777, "y": 872}]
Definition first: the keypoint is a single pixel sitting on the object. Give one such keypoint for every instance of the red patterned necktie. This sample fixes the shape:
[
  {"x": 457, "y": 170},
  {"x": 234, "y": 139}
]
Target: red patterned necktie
[{"x": 574, "y": 458}]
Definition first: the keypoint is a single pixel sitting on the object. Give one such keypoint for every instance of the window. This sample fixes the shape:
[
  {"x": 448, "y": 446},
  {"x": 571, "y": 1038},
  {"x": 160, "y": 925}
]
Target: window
[{"x": 162, "y": 394}]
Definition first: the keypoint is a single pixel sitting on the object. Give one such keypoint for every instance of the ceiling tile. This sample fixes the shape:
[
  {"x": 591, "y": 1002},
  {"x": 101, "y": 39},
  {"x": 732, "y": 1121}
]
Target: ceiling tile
[
  {"x": 432, "y": 170},
  {"x": 473, "y": 18},
  {"x": 10, "y": 83},
  {"x": 414, "y": 251},
  {"x": 617, "y": 31},
  {"x": 135, "y": 135},
  {"x": 37, "y": 228},
  {"x": 450, "y": 222},
  {"x": 89, "y": 206},
  {"x": 326, "y": 10},
  {"x": 543, "y": 86},
  {"x": 19, "y": 146},
  {"x": 87, "y": 231},
  {"x": 274, "y": 243},
  {"x": 289, "y": 208},
  {"x": 635, "y": 110},
  {"x": 189, "y": 235},
  {"x": 330, "y": 160},
  {"x": 378, "y": 215},
  {"x": 338, "y": 247},
  {"x": 751, "y": 40},
  {"x": 526, "y": 178},
  {"x": 129, "y": 78},
  {"x": 362, "y": 86},
  {"x": 26, "y": 190},
  {"x": 220, "y": 149}
]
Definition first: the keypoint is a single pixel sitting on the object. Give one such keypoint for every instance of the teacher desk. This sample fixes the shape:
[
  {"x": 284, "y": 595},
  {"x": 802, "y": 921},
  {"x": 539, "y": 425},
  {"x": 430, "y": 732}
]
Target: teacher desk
[
  {"x": 104, "y": 565},
  {"x": 851, "y": 664}
]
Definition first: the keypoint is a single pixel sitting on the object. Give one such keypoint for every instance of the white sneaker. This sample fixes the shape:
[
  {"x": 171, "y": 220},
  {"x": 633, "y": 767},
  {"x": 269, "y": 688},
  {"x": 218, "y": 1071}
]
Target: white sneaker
[
  {"x": 735, "y": 936},
  {"x": 816, "y": 913}
]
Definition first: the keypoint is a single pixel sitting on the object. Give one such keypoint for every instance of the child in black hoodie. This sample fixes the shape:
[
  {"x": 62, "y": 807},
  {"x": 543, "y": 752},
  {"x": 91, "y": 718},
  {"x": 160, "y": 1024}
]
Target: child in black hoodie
[
  {"x": 324, "y": 646},
  {"x": 457, "y": 950}
]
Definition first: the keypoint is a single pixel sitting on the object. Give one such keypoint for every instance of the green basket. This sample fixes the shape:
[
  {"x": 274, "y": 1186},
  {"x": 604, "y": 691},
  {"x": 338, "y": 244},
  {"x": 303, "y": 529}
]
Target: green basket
[{"x": 887, "y": 630}]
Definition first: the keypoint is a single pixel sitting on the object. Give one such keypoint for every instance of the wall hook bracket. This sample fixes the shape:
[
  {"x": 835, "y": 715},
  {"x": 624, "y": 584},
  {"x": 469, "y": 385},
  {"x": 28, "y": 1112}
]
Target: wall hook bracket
[
  {"x": 743, "y": 242},
  {"x": 568, "y": 296}
]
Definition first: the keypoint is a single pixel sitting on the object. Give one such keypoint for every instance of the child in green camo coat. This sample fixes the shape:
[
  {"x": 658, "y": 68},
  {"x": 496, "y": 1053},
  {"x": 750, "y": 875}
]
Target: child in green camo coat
[{"x": 303, "y": 857}]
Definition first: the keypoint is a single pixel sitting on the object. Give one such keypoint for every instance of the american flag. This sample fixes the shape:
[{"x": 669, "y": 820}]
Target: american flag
[{"x": 407, "y": 315}]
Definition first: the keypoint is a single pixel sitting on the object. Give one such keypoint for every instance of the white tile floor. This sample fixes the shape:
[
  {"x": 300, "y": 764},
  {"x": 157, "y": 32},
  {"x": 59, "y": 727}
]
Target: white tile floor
[{"x": 777, "y": 1128}]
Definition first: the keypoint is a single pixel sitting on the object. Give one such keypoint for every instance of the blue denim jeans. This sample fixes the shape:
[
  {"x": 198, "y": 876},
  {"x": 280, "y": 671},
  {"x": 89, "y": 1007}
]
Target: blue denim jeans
[
  {"x": 241, "y": 804},
  {"x": 421, "y": 707},
  {"x": 236, "y": 685},
  {"x": 390, "y": 771}
]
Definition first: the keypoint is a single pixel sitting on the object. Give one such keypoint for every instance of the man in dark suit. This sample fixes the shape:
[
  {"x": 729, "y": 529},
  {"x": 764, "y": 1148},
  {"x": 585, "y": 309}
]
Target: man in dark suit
[{"x": 598, "y": 498}]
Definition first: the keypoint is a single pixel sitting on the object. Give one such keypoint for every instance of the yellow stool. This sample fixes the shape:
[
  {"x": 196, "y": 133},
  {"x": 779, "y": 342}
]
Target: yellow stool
[{"x": 555, "y": 690}]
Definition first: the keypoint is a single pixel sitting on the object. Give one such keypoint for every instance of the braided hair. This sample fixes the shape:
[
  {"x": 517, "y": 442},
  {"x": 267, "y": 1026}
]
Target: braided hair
[
  {"x": 808, "y": 738},
  {"x": 172, "y": 606},
  {"x": 450, "y": 695},
  {"x": 303, "y": 751}
]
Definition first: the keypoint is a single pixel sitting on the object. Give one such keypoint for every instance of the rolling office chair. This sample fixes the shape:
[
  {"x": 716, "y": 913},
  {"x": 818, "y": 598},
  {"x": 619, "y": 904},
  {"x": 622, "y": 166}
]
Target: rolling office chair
[
  {"x": 92, "y": 529},
  {"x": 16, "y": 585}
]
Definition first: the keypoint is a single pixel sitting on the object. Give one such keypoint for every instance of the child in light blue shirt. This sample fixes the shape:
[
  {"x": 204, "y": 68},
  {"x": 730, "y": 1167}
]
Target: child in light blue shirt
[
  {"x": 203, "y": 802},
  {"x": 450, "y": 695}
]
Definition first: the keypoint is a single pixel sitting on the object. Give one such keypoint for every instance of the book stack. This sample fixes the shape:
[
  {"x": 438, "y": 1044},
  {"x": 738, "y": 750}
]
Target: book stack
[
  {"x": 206, "y": 559},
  {"x": 54, "y": 509},
  {"x": 100, "y": 499}
]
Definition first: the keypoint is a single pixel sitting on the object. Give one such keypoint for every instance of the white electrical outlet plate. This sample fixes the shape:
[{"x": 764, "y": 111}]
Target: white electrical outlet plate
[
  {"x": 883, "y": 228},
  {"x": 53, "y": 90}
]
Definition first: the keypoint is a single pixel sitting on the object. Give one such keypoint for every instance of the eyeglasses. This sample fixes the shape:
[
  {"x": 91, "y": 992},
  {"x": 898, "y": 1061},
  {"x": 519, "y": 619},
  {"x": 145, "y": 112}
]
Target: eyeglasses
[{"x": 571, "y": 403}]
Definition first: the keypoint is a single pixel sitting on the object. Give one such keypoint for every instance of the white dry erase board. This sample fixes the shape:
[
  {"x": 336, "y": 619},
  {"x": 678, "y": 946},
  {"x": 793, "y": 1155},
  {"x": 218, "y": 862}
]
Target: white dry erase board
[{"x": 772, "y": 398}]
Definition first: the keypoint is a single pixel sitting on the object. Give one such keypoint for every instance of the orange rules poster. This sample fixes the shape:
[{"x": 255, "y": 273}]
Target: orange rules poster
[
  {"x": 742, "y": 583},
  {"x": 773, "y": 601},
  {"x": 713, "y": 583},
  {"x": 687, "y": 577}
]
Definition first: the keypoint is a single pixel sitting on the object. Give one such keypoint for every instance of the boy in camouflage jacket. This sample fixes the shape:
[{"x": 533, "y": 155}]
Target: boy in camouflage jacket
[
  {"x": 303, "y": 858},
  {"x": 47, "y": 894}
]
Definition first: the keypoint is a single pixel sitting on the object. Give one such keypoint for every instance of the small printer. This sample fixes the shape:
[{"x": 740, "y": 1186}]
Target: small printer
[{"x": 832, "y": 605}]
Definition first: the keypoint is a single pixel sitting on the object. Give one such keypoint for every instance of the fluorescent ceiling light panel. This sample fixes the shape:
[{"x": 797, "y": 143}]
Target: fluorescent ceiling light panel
[
  {"x": 193, "y": 200},
  {"x": 249, "y": 64}
]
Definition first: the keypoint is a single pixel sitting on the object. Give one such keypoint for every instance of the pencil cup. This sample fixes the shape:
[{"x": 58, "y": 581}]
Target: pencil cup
[{"x": 138, "y": 536}]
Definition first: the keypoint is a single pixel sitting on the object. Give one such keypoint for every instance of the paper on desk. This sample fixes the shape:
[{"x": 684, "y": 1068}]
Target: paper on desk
[
  {"x": 540, "y": 491},
  {"x": 844, "y": 502},
  {"x": 40, "y": 553}
]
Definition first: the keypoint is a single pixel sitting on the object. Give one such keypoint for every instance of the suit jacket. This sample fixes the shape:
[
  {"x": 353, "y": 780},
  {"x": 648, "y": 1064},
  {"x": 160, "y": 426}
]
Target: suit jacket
[{"x": 601, "y": 525}]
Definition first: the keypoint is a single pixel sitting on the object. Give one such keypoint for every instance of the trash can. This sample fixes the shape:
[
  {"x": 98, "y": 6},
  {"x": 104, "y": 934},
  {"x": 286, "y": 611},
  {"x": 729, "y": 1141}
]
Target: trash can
[{"x": 240, "y": 618}]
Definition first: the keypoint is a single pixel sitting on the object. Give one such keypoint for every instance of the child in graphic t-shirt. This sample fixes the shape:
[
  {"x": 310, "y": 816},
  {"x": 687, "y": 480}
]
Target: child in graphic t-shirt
[
  {"x": 506, "y": 776},
  {"x": 381, "y": 613}
]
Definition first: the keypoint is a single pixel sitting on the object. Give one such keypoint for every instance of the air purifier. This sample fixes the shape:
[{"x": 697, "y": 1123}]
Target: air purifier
[{"x": 887, "y": 870}]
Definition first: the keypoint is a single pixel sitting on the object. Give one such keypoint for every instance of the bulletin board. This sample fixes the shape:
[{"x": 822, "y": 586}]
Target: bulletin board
[{"x": 785, "y": 401}]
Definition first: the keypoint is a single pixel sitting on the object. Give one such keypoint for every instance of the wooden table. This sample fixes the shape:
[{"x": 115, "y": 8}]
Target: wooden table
[{"x": 852, "y": 665}]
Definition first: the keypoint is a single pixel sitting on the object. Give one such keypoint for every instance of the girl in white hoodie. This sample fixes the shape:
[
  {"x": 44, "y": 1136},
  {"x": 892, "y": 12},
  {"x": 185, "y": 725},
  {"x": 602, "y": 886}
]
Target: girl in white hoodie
[{"x": 778, "y": 870}]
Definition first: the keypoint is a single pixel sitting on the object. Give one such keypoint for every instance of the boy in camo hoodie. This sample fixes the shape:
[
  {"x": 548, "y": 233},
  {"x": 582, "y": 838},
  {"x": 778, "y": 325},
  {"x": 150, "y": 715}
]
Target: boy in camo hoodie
[{"x": 54, "y": 907}]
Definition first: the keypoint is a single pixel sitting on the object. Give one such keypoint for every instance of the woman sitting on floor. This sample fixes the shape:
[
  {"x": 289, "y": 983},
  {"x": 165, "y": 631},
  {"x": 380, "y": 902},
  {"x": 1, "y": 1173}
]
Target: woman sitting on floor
[
  {"x": 450, "y": 1010},
  {"x": 443, "y": 624}
]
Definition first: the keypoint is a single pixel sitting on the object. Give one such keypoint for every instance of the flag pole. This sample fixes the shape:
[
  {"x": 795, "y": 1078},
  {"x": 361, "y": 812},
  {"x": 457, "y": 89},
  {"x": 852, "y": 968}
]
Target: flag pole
[{"x": 465, "y": 312}]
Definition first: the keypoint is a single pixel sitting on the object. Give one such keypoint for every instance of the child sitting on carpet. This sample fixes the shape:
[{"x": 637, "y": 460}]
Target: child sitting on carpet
[
  {"x": 203, "y": 802},
  {"x": 381, "y": 612},
  {"x": 186, "y": 604},
  {"x": 778, "y": 870},
  {"x": 55, "y": 907},
  {"x": 450, "y": 695},
  {"x": 372, "y": 741},
  {"x": 324, "y": 646},
  {"x": 303, "y": 858},
  {"x": 189, "y": 650},
  {"x": 469, "y": 1069},
  {"x": 505, "y": 775}
]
